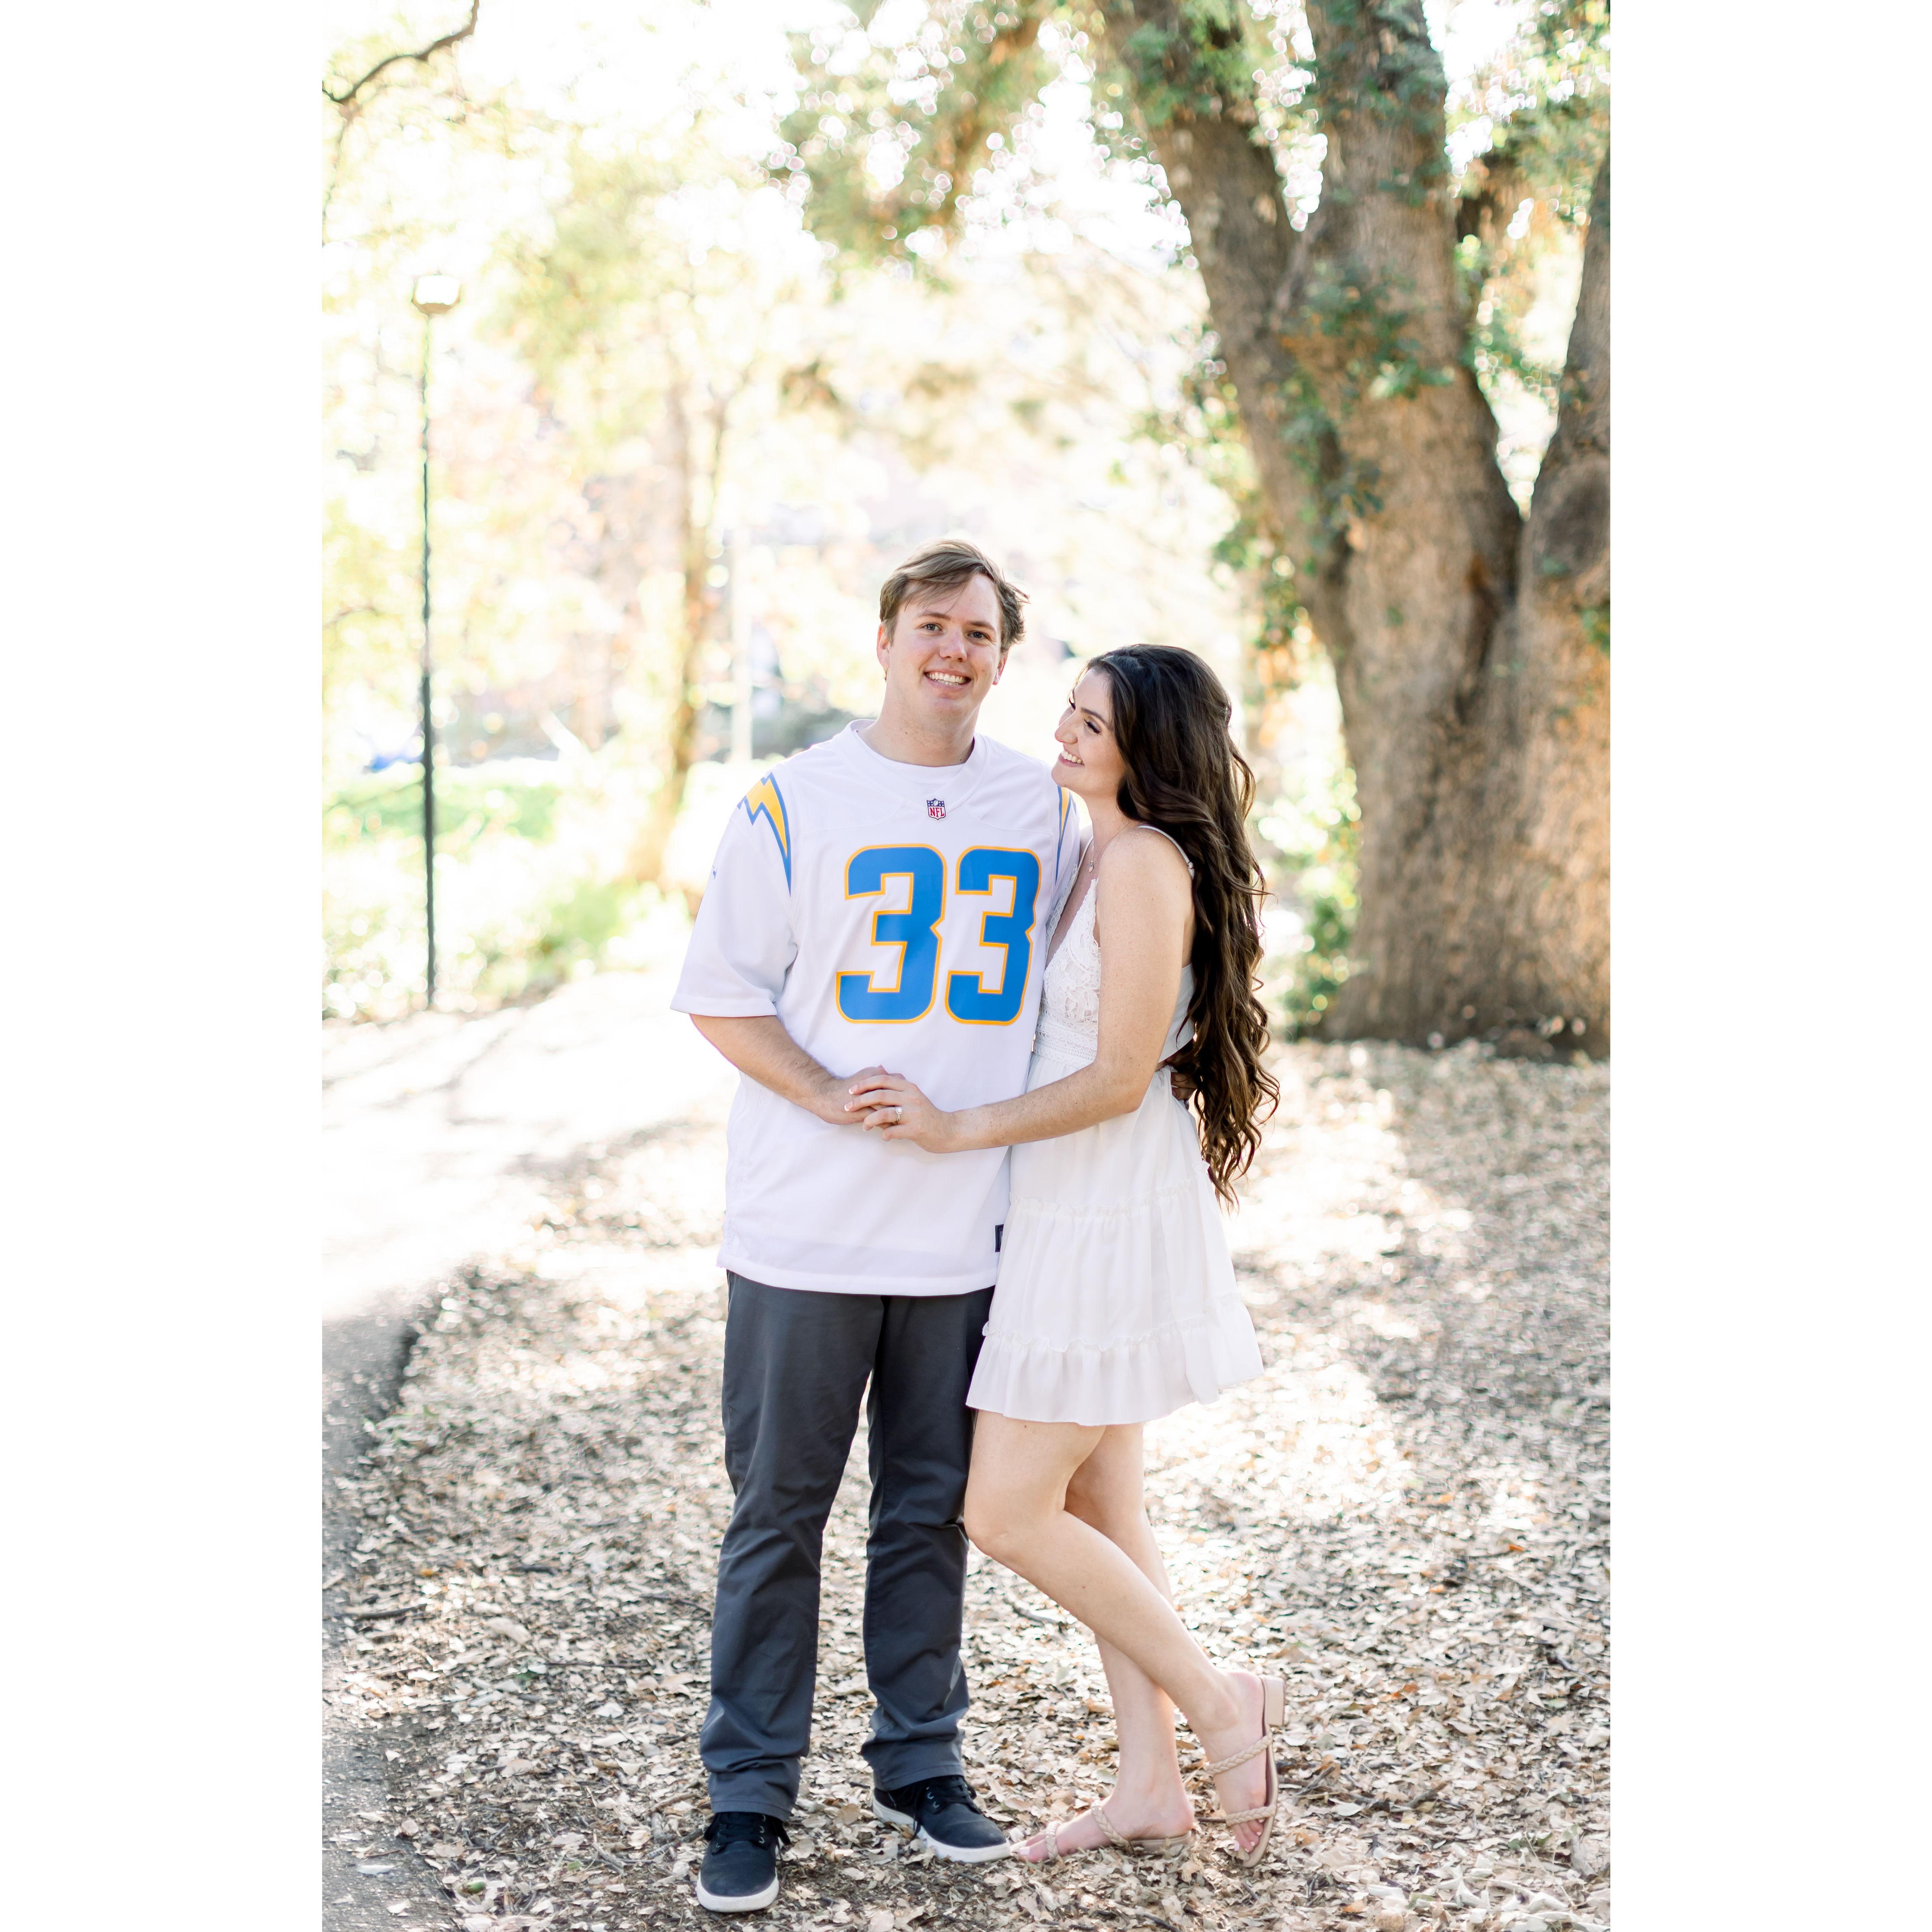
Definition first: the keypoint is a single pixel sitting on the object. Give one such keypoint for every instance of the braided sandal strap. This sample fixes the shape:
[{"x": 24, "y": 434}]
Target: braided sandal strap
[
  {"x": 1240, "y": 1757},
  {"x": 1052, "y": 1844},
  {"x": 1246, "y": 1817},
  {"x": 1106, "y": 1824}
]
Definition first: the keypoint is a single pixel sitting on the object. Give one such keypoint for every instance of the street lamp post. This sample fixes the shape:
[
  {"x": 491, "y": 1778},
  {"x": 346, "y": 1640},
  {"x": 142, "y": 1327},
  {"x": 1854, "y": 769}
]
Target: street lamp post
[{"x": 433, "y": 295}]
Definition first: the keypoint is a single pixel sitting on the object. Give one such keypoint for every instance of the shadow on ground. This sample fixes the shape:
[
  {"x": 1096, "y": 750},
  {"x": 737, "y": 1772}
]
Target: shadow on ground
[{"x": 1406, "y": 1514}]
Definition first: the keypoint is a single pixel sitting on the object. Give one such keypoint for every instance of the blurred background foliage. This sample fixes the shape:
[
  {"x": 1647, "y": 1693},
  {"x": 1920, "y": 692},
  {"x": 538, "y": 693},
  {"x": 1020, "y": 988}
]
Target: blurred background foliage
[{"x": 680, "y": 435}]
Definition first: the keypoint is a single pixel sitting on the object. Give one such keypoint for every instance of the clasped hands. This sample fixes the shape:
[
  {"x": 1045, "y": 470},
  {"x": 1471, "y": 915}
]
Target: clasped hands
[{"x": 892, "y": 1107}]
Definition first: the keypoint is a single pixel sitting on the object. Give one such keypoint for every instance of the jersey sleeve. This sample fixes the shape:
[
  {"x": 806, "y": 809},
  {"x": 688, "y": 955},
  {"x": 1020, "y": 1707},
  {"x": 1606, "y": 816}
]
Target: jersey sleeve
[{"x": 743, "y": 942}]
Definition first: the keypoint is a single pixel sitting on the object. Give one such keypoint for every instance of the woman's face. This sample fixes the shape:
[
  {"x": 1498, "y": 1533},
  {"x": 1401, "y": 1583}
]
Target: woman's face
[{"x": 1090, "y": 764}]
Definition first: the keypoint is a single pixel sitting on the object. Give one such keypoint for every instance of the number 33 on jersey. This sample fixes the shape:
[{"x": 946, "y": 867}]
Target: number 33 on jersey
[
  {"x": 891, "y": 916},
  {"x": 851, "y": 892},
  {"x": 912, "y": 929}
]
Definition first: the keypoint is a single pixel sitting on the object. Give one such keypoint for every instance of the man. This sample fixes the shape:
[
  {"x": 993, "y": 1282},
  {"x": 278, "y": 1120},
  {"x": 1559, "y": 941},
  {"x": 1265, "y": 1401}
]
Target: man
[{"x": 886, "y": 896}]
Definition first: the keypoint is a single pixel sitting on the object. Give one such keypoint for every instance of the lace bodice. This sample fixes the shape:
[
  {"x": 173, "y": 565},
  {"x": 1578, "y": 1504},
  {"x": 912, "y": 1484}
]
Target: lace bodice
[{"x": 1069, "y": 1003}]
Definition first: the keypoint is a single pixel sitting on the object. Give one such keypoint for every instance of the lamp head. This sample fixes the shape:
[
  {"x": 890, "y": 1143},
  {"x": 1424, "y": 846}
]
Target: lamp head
[{"x": 436, "y": 295}]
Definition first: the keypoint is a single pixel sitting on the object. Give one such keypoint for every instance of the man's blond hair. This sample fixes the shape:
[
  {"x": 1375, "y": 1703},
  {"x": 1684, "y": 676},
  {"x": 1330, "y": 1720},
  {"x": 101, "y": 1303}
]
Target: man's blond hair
[{"x": 946, "y": 566}]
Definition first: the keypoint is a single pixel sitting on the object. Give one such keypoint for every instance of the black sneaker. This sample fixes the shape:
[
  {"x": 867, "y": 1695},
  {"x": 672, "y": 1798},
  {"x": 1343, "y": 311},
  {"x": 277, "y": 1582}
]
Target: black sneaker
[
  {"x": 740, "y": 1871},
  {"x": 939, "y": 1812}
]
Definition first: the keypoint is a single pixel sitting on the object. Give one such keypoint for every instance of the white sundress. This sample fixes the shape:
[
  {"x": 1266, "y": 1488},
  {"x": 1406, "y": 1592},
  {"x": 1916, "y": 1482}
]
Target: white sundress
[{"x": 1116, "y": 1300}]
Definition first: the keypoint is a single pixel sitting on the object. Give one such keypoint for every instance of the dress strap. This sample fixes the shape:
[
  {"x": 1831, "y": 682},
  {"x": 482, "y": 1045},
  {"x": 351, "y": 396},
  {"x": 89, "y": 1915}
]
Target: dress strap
[{"x": 1141, "y": 825}]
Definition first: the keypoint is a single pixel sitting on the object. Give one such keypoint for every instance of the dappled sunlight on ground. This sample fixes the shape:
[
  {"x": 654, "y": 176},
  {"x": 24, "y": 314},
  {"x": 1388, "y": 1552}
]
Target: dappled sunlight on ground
[
  {"x": 1301, "y": 1444},
  {"x": 1404, "y": 1515}
]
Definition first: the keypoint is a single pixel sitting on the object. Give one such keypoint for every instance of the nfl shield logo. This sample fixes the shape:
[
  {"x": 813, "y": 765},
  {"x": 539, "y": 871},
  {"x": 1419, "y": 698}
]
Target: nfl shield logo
[{"x": 935, "y": 807}]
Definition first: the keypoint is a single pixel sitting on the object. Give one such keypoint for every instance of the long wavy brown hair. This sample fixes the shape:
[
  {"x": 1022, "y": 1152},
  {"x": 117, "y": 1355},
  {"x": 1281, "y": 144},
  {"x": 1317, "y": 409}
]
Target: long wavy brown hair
[{"x": 1170, "y": 720}]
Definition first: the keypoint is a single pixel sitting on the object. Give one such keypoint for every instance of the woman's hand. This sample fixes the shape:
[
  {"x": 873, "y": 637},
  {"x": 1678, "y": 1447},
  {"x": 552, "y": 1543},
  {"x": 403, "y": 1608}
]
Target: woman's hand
[{"x": 895, "y": 1110}]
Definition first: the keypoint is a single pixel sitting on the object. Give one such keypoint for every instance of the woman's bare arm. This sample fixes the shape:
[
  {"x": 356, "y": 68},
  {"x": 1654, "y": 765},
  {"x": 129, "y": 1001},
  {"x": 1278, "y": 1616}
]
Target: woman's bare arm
[{"x": 1145, "y": 919}]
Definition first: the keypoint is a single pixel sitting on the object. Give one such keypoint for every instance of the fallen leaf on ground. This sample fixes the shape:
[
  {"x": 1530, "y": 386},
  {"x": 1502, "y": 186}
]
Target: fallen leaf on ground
[{"x": 1349, "y": 1512}]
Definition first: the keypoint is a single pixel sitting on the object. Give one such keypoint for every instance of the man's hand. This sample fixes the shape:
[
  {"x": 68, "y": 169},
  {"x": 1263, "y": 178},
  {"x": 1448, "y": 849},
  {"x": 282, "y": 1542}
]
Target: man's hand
[
  {"x": 1179, "y": 1080},
  {"x": 832, "y": 1102},
  {"x": 759, "y": 1048}
]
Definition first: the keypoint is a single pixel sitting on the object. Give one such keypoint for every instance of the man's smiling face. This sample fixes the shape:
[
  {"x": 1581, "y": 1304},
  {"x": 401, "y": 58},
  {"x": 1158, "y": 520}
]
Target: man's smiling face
[{"x": 944, "y": 654}]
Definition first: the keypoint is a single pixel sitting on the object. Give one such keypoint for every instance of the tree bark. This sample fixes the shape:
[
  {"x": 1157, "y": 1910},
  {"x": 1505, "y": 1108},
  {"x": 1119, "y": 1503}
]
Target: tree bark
[
  {"x": 1552, "y": 727},
  {"x": 346, "y": 98},
  {"x": 1466, "y": 640}
]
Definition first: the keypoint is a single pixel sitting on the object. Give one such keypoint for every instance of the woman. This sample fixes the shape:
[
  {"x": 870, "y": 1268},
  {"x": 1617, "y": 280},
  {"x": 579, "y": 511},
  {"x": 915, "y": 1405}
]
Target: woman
[{"x": 1116, "y": 1302}]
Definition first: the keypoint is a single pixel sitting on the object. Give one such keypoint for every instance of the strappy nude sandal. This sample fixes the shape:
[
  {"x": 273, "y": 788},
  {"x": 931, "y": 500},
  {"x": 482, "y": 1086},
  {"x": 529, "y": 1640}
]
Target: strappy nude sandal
[
  {"x": 1135, "y": 1848},
  {"x": 1274, "y": 1705}
]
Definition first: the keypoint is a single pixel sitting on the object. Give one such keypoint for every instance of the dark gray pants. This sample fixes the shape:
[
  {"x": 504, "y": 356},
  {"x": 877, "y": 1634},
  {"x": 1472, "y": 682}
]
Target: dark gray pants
[{"x": 796, "y": 1362}]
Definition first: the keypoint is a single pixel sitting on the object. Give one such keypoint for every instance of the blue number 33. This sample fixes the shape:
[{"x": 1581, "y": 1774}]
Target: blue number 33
[{"x": 916, "y": 932}]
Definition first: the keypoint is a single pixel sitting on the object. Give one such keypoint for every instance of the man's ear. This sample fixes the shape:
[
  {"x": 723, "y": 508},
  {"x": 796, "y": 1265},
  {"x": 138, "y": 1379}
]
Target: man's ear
[{"x": 884, "y": 644}]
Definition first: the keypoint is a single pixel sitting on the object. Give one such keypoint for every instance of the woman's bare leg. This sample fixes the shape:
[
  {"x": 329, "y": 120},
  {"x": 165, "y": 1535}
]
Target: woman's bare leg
[
  {"x": 1148, "y": 1799},
  {"x": 1016, "y": 1512}
]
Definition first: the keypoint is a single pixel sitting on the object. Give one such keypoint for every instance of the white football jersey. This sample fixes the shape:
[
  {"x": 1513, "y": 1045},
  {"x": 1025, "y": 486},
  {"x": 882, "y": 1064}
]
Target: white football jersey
[{"x": 889, "y": 915}]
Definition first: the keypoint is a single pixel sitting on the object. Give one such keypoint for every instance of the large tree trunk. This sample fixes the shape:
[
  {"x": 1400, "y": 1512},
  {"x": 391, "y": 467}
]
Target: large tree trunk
[{"x": 1473, "y": 690}]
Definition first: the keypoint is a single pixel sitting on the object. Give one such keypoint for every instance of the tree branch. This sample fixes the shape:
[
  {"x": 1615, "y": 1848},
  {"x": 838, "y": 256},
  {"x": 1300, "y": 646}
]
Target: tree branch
[
  {"x": 1570, "y": 515},
  {"x": 1499, "y": 189},
  {"x": 961, "y": 143},
  {"x": 1372, "y": 312},
  {"x": 1191, "y": 85},
  {"x": 462, "y": 33}
]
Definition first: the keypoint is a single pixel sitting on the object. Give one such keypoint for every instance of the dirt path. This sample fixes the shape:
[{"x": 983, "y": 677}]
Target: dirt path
[
  {"x": 440, "y": 1134},
  {"x": 1406, "y": 1514}
]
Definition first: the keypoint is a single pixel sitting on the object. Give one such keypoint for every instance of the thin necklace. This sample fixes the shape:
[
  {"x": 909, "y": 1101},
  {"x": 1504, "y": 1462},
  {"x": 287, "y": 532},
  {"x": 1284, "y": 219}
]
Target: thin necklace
[{"x": 1094, "y": 852}]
